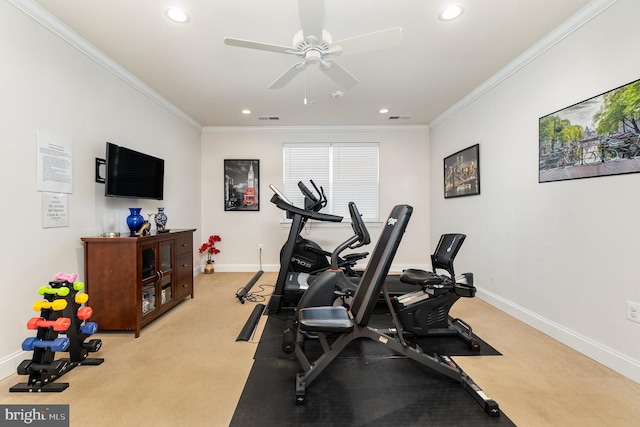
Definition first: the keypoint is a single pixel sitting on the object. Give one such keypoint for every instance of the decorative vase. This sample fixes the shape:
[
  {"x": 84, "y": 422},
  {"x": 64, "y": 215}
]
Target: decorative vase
[
  {"x": 208, "y": 269},
  {"x": 135, "y": 220},
  {"x": 161, "y": 220}
]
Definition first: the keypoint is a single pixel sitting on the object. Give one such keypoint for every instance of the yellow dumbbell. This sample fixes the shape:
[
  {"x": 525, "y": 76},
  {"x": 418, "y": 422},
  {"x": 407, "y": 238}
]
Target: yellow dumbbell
[
  {"x": 82, "y": 298},
  {"x": 56, "y": 305}
]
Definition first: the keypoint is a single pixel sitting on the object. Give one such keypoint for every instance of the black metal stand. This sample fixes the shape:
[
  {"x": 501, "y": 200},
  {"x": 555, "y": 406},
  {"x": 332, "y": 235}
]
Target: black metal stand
[{"x": 61, "y": 311}]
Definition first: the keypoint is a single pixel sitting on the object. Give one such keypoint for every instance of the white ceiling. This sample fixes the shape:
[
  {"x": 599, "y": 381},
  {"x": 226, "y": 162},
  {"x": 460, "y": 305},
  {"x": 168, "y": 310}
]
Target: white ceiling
[{"x": 437, "y": 64}]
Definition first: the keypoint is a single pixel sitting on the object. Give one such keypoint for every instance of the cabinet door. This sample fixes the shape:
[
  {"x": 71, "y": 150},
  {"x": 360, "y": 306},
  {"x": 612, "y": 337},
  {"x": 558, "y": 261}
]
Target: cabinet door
[
  {"x": 165, "y": 273},
  {"x": 149, "y": 278}
]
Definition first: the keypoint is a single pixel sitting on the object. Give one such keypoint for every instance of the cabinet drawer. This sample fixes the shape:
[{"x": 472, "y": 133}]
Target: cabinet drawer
[
  {"x": 184, "y": 277},
  {"x": 184, "y": 245},
  {"x": 184, "y": 270}
]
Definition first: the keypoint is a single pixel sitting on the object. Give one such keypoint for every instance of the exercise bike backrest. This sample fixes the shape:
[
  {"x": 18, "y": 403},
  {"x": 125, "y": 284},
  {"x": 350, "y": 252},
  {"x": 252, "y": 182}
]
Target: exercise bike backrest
[{"x": 446, "y": 252}]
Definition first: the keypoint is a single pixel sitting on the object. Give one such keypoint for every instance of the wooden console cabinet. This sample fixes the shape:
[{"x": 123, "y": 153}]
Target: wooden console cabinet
[{"x": 133, "y": 280}]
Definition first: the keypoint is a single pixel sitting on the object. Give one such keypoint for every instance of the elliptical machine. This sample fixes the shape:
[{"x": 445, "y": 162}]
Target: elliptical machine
[
  {"x": 333, "y": 287},
  {"x": 291, "y": 285},
  {"x": 308, "y": 257}
]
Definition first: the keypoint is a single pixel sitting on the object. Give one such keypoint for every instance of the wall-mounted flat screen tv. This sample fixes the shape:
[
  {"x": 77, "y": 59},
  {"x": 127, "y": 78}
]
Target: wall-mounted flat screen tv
[{"x": 133, "y": 174}]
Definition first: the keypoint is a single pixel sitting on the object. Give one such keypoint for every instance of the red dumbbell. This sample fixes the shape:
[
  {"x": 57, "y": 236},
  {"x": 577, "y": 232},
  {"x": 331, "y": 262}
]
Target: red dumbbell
[
  {"x": 60, "y": 324},
  {"x": 84, "y": 313}
]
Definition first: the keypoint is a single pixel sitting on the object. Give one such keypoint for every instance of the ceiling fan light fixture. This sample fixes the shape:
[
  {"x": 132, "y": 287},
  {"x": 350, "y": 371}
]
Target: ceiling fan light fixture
[
  {"x": 451, "y": 12},
  {"x": 177, "y": 15}
]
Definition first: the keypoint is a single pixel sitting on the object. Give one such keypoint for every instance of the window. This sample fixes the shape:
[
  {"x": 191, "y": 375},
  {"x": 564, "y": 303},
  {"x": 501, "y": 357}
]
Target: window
[{"x": 348, "y": 172}]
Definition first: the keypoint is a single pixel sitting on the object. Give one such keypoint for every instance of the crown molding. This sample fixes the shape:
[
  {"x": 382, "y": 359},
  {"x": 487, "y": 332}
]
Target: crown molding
[
  {"x": 580, "y": 18},
  {"x": 314, "y": 129},
  {"x": 46, "y": 19}
]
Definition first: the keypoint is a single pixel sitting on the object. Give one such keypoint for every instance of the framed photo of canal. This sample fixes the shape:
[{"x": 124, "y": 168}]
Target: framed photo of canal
[
  {"x": 462, "y": 173},
  {"x": 596, "y": 137}
]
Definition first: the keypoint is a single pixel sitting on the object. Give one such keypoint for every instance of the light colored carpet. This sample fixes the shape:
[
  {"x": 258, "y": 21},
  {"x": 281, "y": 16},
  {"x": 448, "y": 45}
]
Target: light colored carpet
[{"x": 186, "y": 369}]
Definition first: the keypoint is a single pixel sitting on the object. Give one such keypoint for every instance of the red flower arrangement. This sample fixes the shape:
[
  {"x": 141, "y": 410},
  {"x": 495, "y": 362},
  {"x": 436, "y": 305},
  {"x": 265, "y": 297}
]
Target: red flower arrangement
[{"x": 210, "y": 248}]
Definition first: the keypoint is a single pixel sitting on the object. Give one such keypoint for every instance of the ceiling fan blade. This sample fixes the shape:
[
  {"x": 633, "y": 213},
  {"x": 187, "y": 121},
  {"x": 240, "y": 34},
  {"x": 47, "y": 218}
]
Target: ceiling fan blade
[
  {"x": 257, "y": 45},
  {"x": 311, "y": 18},
  {"x": 287, "y": 76},
  {"x": 372, "y": 41},
  {"x": 338, "y": 74}
]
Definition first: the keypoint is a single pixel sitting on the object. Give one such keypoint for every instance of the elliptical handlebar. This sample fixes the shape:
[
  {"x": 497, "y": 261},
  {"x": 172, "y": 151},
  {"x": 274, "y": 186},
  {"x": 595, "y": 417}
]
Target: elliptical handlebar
[
  {"x": 311, "y": 201},
  {"x": 360, "y": 238}
]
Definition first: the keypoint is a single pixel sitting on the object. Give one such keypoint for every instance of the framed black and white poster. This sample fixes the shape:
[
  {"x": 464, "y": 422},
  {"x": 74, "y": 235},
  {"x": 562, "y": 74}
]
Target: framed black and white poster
[
  {"x": 462, "y": 173},
  {"x": 241, "y": 185}
]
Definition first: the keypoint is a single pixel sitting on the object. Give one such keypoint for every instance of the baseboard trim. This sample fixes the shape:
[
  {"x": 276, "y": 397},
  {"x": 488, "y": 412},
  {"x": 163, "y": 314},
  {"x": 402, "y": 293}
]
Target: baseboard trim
[
  {"x": 274, "y": 268},
  {"x": 9, "y": 364},
  {"x": 610, "y": 358}
]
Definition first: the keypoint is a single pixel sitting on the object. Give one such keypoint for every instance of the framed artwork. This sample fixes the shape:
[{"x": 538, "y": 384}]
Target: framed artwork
[
  {"x": 462, "y": 173},
  {"x": 241, "y": 185},
  {"x": 596, "y": 137}
]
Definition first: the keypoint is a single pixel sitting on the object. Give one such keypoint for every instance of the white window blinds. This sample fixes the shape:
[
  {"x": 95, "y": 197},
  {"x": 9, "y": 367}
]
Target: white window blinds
[{"x": 348, "y": 172}]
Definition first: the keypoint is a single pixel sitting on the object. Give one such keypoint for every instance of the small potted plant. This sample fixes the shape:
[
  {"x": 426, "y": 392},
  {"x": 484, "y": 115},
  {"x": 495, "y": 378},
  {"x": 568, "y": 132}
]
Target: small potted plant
[{"x": 210, "y": 248}]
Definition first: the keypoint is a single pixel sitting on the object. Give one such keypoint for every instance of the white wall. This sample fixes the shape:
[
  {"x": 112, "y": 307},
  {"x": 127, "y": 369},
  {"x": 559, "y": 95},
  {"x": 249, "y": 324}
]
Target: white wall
[
  {"x": 404, "y": 177},
  {"x": 48, "y": 85},
  {"x": 561, "y": 256}
]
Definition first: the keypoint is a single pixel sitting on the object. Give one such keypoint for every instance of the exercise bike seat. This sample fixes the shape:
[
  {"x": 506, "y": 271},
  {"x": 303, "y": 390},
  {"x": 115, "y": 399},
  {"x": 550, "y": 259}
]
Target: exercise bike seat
[{"x": 426, "y": 279}]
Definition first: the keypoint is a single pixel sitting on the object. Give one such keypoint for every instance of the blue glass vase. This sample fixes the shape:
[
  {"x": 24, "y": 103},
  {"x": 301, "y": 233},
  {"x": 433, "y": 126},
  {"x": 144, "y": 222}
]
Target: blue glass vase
[{"x": 135, "y": 220}]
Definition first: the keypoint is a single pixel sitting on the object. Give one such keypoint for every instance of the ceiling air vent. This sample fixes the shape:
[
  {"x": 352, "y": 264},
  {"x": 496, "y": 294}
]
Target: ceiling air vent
[
  {"x": 270, "y": 118},
  {"x": 399, "y": 117}
]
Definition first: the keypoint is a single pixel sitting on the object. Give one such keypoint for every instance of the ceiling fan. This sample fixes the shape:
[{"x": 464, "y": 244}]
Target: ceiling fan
[{"x": 313, "y": 45}]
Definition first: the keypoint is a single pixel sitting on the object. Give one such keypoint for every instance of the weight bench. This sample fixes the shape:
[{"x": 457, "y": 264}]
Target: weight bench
[{"x": 349, "y": 325}]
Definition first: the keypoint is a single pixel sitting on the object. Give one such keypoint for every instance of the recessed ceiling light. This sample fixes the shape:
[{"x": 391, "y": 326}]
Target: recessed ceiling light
[
  {"x": 246, "y": 111},
  {"x": 451, "y": 12},
  {"x": 383, "y": 110},
  {"x": 177, "y": 15}
]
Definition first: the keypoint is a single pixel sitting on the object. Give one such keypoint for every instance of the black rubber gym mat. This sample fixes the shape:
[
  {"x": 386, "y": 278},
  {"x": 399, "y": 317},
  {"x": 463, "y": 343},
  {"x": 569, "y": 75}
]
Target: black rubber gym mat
[
  {"x": 361, "y": 391},
  {"x": 271, "y": 342},
  {"x": 362, "y": 387}
]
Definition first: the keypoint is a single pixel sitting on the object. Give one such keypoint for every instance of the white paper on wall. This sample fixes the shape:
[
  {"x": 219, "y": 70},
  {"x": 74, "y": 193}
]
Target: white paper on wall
[
  {"x": 55, "y": 210},
  {"x": 54, "y": 164}
]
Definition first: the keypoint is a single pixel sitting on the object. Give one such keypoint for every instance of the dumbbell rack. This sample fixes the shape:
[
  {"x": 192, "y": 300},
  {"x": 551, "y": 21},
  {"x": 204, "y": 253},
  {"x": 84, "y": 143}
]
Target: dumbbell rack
[{"x": 63, "y": 310}]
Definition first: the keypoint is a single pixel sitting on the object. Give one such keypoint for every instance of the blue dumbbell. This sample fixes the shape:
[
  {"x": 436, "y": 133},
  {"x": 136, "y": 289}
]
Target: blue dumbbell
[
  {"x": 89, "y": 328},
  {"x": 59, "y": 344}
]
